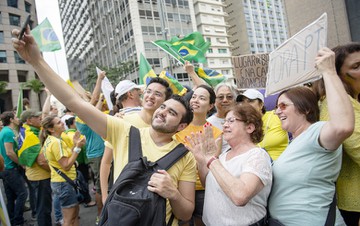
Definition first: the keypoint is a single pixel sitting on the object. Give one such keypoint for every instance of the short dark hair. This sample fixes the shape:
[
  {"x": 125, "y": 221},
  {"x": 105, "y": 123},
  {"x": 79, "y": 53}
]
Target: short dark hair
[
  {"x": 188, "y": 117},
  {"x": 305, "y": 102},
  {"x": 249, "y": 115},
  {"x": 70, "y": 121},
  {"x": 6, "y": 117},
  {"x": 163, "y": 82},
  {"x": 210, "y": 91}
]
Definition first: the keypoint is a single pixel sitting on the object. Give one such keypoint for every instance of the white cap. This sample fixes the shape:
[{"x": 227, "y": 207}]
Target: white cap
[
  {"x": 251, "y": 94},
  {"x": 124, "y": 86}
]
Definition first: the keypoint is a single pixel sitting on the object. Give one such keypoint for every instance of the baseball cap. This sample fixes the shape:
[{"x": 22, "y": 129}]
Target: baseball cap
[
  {"x": 251, "y": 94},
  {"x": 124, "y": 86},
  {"x": 28, "y": 114}
]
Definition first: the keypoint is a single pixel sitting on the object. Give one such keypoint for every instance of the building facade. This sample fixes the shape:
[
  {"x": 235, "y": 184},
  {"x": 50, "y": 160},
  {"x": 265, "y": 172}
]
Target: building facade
[
  {"x": 112, "y": 33},
  {"x": 302, "y": 13},
  {"x": 13, "y": 70},
  {"x": 255, "y": 26},
  {"x": 210, "y": 21}
]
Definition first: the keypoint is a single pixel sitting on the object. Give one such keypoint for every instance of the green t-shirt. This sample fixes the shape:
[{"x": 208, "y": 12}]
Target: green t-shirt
[{"x": 7, "y": 135}]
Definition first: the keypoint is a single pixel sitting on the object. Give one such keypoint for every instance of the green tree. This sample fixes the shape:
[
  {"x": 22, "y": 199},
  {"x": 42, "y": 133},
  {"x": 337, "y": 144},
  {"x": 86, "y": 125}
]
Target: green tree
[
  {"x": 35, "y": 85},
  {"x": 3, "y": 86},
  {"x": 114, "y": 74}
]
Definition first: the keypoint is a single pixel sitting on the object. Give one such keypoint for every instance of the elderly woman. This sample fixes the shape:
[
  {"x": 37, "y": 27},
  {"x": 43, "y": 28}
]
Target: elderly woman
[
  {"x": 275, "y": 138},
  {"x": 305, "y": 173},
  {"x": 237, "y": 183},
  {"x": 347, "y": 63},
  {"x": 63, "y": 157}
]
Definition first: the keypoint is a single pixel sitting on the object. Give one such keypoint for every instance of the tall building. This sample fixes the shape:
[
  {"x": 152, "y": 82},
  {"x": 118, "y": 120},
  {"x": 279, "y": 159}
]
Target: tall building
[
  {"x": 13, "y": 70},
  {"x": 210, "y": 21},
  {"x": 114, "y": 32},
  {"x": 302, "y": 13},
  {"x": 255, "y": 26}
]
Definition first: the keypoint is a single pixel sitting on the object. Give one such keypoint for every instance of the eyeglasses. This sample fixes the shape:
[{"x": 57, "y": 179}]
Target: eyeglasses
[
  {"x": 228, "y": 97},
  {"x": 231, "y": 120},
  {"x": 283, "y": 106}
]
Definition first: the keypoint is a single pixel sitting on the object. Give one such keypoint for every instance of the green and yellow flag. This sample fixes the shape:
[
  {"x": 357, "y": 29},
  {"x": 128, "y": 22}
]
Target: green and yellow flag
[
  {"x": 30, "y": 147},
  {"x": 20, "y": 105},
  {"x": 145, "y": 71},
  {"x": 175, "y": 85},
  {"x": 210, "y": 76},
  {"x": 45, "y": 37},
  {"x": 191, "y": 48}
]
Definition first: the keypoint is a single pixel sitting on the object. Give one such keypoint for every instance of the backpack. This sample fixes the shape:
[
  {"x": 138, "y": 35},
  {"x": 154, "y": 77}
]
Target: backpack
[{"x": 129, "y": 202}]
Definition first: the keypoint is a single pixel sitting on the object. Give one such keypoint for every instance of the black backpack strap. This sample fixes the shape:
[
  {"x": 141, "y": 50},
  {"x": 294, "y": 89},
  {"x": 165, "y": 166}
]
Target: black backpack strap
[
  {"x": 330, "y": 219},
  {"x": 172, "y": 157},
  {"x": 135, "y": 151}
]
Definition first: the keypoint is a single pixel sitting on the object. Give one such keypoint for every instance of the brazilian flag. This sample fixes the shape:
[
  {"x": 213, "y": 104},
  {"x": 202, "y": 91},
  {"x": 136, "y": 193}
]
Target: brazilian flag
[
  {"x": 175, "y": 85},
  {"x": 30, "y": 147},
  {"x": 45, "y": 37},
  {"x": 191, "y": 48},
  {"x": 210, "y": 76},
  {"x": 145, "y": 71}
]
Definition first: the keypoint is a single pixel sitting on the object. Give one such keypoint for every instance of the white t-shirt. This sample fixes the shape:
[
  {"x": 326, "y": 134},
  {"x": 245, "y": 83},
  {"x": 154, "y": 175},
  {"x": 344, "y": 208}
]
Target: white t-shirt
[
  {"x": 219, "y": 209},
  {"x": 216, "y": 121}
]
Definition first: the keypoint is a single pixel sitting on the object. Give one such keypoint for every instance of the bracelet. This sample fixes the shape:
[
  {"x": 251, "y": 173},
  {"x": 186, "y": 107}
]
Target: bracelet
[
  {"x": 77, "y": 150},
  {"x": 210, "y": 161}
]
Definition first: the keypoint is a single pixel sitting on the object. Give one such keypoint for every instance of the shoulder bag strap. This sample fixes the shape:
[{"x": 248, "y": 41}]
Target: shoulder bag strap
[
  {"x": 135, "y": 151},
  {"x": 64, "y": 176},
  {"x": 172, "y": 157},
  {"x": 330, "y": 220}
]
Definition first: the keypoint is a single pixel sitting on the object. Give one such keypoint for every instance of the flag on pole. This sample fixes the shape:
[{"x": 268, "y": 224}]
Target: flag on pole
[
  {"x": 191, "y": 48},
  {"x": 20, "y": 105},
  {"x": 45, "y": 37},
  {"x": 145, "y": 71},
  {"x": 210, "y": 76},
  {"x": 106, "y": 89},
  {"x": 175, "y": 86}
]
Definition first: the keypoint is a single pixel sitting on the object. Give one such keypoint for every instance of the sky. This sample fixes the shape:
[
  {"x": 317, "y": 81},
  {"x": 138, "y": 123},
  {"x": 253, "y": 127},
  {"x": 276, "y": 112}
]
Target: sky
[{"x": 57, "y": 59}]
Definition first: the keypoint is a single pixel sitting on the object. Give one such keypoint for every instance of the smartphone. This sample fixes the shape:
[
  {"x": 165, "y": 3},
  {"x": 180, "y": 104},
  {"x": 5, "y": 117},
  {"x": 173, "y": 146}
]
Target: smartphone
[{"x": 23, "y": 28}]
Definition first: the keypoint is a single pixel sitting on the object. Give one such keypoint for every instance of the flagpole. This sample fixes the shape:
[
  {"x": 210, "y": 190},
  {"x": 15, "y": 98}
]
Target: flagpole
[
  {"x": 164, "y": 31},
  {"x": 57, "y": 67}
]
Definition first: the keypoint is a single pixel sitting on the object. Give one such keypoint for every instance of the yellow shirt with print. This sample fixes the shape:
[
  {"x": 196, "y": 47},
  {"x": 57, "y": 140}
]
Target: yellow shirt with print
[
  {"x": 275, "y": 138},
  {"x": 54, "y": 149},
  {"x": 180, "y": 136},
  {"x": 348, "y": 182},
  {"x": 118, "y": 135}
]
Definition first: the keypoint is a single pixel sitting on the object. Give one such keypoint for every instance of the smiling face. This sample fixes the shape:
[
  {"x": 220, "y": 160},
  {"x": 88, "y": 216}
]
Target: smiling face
[
  {"x": 224, "y": 99},
  {"x": 200, "y": 102},
  {"x": 167, "y": 118},
  {"x": 287, "y": 113},
  {"x": 154, "y": 96}
]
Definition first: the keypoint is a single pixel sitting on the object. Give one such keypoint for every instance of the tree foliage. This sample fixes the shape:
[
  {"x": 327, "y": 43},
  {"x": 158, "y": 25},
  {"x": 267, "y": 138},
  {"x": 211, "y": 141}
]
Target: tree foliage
[
  {"x": 3, "y": 86},
  {"x": 114, "y": 74},
  {"x": 35, "y": 85}
]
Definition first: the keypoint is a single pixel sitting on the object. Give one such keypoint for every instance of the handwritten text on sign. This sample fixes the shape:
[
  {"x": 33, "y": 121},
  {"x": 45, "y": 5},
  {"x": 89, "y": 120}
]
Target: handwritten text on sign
[
  {"x": 293, "y": 62},
  {"x": 250, "y": 70}
]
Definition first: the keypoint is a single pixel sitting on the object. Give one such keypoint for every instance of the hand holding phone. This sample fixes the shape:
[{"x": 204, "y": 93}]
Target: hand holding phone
[{"x": 23, "y": 28}]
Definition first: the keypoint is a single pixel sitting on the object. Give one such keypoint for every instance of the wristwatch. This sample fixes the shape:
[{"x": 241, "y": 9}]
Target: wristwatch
[{"x": 77, "y": 150}]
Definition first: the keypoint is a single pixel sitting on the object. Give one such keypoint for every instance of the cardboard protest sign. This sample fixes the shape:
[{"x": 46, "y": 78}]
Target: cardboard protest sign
[
  {"x": 250, "y": 70},
  {"x": 106, "y": 89},
  {"x": 86, "y": 95},
  {"x": 293, "y": 62}
]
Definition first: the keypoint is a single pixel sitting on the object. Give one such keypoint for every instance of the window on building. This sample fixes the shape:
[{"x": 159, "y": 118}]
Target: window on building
[
  {"x": 27, "y": 7},
  {"x": 12, "y": 3},
  {"x": 22, "y": 76},
  {"x": 4, "y": 75},
  {"x": 18, "y": 59},
  {"x": 14, "y": 19},
  {"x": 210, "y": 50},
  {"x": 222, "y": 50},
  {"x": 2, "y": 40},
  {"x": 3, "y": 56}
]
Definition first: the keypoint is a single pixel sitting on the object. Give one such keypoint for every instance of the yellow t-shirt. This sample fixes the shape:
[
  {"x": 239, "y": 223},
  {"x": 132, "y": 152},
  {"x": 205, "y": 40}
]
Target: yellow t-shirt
[
  {"x": 275, "y": 138},
  {"x": 135, "y": 120},
  {"x": 348, "y": 183},
  {"x": 118, "y": 136},
  {"x": 36, "y": 173},
  {"x": 54, "y": 149},
  {"x": 180, "y": 136}
]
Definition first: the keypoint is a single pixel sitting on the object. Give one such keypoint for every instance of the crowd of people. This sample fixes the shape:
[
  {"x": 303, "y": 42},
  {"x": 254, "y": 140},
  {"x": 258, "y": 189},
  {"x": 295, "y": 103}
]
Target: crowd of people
[{"x": 297, "y": 164}]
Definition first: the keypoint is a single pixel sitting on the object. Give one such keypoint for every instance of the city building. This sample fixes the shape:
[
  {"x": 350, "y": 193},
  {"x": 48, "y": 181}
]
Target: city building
[
  {"x": 210, "y": 21},
  {"x": 255, "y": 26},
  {"x": 302, "y": 13},
  {"x": 13, "y": 70},
  {"x": 113, "y": 33}
]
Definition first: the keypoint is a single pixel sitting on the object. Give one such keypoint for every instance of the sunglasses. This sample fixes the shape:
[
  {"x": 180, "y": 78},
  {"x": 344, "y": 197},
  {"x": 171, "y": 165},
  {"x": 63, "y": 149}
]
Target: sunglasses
[{"x": 282, "y": 106}]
